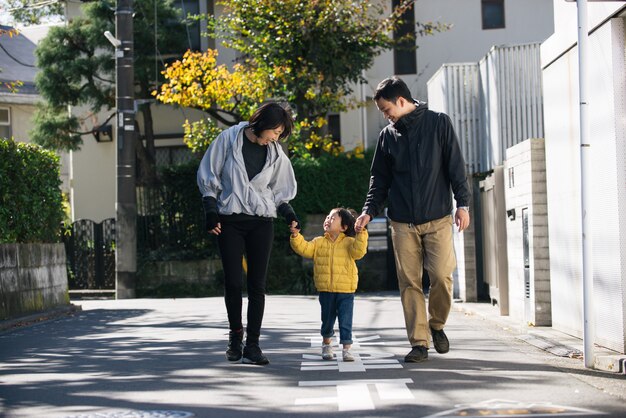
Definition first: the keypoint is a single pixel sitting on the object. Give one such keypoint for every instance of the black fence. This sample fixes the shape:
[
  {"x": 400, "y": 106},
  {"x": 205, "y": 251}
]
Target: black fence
[
  {"x": 90, "y": 248},
  {"x": 170, "y": 226}
]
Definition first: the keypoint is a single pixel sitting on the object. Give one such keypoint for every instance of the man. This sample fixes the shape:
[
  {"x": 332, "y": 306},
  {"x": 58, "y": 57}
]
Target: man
[{"x": 417, "y": 163}]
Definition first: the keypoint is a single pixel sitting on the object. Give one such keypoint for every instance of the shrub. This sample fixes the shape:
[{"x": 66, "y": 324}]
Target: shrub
[
  {"x": 323, "y": 183},
  {"x": 31, "y": 203},
  {"x": 331, "y": 181}
]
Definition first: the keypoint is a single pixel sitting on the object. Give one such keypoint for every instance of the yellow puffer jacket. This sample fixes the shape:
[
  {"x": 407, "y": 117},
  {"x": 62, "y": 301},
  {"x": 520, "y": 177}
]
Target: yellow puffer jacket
[{"x": 334, "y": 269}]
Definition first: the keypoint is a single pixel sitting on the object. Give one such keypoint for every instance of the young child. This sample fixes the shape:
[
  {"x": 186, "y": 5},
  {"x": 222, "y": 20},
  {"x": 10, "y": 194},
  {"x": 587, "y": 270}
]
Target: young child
[{"x": 335, "y": 274}]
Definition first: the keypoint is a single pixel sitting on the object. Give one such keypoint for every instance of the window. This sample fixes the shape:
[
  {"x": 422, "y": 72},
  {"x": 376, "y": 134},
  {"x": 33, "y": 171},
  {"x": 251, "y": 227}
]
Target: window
[
  {"x": 5, "y": 122},
  {"x": 191, "y": 7},
  {"x": 404, "y": 58},
  {"x": 334, "y": 127},
  {"x": 492, "y": 13}
]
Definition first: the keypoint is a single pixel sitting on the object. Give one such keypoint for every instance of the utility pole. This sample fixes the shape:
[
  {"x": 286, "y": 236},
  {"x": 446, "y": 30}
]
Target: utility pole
[{"x": 126, "y": 204}]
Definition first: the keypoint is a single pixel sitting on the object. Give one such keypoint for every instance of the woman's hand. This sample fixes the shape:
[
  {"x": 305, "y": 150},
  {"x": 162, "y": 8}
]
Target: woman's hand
[{"x": 212, "y": 221}]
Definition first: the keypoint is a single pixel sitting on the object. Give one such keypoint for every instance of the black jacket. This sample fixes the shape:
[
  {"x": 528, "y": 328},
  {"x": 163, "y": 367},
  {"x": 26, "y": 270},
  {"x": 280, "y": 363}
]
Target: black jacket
[{"x": 416, "y": 164}]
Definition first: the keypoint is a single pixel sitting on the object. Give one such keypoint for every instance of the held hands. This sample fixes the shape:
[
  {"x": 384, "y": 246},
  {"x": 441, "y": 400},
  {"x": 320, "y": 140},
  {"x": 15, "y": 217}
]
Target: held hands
[
  {"x": 361, "y": 222},
  {"x": 294, "y": 228},
  {"x": 461, "y": 219},
  {"x": 286, "y": 211}
]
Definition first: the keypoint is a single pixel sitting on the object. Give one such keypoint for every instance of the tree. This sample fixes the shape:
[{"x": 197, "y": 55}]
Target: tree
[
  {"x": 12, "y": 85},
  {"x": 308, "y": 52},
  {"x": 32, "y": 12},
  {"x": 78, "y": 69}
]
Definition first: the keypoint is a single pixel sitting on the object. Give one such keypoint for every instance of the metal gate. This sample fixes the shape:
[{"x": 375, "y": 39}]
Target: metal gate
[{"x": 90, "y": 248}]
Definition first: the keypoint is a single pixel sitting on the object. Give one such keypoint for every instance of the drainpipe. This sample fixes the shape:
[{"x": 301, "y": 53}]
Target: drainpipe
[
  {"x": 363, "y": 112},
  {"x": 586, "y": 187}
]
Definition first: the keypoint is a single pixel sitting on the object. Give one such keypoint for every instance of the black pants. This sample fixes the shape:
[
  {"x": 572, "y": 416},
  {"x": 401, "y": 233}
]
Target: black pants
[{"x": 253, "y": 238}]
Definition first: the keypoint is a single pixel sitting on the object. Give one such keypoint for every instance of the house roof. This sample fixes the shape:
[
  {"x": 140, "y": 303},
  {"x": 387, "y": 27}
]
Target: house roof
[{"x": 17, "y": 57}]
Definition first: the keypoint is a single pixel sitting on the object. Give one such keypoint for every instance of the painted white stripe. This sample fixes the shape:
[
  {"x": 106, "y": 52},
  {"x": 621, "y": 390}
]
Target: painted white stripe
[
  {"x": 311, "y": 368},
  {"x": 355, "y": 381},
  {"x": 354, "y": 397},
  {"x": 388, "y": 391}
]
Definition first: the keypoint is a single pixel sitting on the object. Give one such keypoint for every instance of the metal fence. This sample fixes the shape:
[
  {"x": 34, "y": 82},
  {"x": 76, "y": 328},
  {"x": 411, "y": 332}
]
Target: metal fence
[
  {"x": 90, "y": 248},
  {"x": 494, "y": 104},
  {"x": 170, "y": 225}
]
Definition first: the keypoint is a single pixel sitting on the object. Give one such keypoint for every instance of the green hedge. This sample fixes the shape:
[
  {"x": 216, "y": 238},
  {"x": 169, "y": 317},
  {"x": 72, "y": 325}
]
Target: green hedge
[
  {"x": 328, "y": 182},
  {"x": 323, "y": 184},
  {"x": 31, "y": 208}
]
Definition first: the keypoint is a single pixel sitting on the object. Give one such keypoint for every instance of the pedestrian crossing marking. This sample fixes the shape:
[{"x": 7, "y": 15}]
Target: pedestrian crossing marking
[
  {"x": 362, "y": 361},
  {"x": 354, "y": 395}
]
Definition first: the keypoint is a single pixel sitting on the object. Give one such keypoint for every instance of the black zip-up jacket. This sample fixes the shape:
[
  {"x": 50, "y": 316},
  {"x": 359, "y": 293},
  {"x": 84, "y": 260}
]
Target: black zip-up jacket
[{"x": 416, "y": 164}]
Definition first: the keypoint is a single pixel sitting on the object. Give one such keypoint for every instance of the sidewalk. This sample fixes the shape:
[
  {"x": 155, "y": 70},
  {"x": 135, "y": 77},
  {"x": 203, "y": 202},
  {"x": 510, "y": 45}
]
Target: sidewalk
[{"x": 546, "y": 338}]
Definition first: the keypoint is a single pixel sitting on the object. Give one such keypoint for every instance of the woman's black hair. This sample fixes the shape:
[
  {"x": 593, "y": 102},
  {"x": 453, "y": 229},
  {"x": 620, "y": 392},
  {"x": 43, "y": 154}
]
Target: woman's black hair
[
  {"x": 348, "y": 219},
  {"x": 271, "y": 115}
]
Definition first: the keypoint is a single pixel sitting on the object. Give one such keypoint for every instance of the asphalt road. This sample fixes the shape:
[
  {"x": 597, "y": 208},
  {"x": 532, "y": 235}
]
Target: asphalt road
[{"x": 165, "y": 358}]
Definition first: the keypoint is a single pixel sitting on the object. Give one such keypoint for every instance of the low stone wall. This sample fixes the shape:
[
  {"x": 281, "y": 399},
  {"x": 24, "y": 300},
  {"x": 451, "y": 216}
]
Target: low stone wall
[
  {"x": 177, "y": 278},
  {"x": 33, "y": 278}
]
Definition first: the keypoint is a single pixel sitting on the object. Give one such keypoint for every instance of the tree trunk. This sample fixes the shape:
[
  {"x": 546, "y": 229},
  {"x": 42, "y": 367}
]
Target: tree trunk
[{"x": 146, "y": 153}]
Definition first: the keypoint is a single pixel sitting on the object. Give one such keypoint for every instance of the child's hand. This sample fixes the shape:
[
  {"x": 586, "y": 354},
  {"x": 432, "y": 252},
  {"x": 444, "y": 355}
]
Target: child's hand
[{"x": 293, "y": 228}]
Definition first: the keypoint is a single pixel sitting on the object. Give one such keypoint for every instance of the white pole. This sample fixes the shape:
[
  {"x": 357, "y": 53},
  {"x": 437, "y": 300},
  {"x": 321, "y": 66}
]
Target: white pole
[
  {"x": 364, "y": 113},
  {"x": 586, "y": 187}
]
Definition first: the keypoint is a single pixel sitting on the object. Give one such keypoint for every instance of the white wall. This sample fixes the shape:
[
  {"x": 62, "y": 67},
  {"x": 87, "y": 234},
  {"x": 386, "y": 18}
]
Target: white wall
[
  {"x": 607, "y": 115},
  {"x": 566, "y": 25}
]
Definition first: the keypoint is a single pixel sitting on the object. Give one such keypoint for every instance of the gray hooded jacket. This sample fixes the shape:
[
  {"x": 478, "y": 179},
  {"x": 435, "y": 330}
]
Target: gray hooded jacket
[{"x": 222, "y": 175}]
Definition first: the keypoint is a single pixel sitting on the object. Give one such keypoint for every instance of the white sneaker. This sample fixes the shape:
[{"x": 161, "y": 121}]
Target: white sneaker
[
  {"x": 327, "y": 352},
  {"x": 347, "y": 355}
]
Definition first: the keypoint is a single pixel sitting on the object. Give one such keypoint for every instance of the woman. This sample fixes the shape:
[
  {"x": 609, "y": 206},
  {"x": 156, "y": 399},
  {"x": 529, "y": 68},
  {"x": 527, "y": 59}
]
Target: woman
[{"x": 246, "y": 180}]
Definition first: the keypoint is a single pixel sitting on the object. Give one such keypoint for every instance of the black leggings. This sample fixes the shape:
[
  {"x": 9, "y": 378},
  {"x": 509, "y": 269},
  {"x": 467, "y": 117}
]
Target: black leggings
[{"x": 253, "y": 238}]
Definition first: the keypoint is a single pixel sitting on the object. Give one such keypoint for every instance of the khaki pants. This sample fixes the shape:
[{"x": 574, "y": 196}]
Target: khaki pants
[{"x": 428, "y": 246}]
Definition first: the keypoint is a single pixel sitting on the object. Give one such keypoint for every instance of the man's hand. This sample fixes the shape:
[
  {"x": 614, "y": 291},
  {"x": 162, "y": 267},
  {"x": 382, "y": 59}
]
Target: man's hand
[
  {"x": 461, "y": 219},
  {"x": 361, "y": 222}
]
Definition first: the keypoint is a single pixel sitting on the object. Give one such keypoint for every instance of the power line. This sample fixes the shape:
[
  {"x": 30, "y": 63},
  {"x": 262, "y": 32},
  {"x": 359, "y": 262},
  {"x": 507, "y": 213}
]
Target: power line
[
  {"x": 15, "y": 59},
  {"x": 34, "y": 6}
]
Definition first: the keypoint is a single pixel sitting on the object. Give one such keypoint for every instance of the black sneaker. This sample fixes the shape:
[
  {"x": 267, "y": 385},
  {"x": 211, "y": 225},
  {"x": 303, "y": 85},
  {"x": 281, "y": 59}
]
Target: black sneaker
[
  {"x": 440, "y": 341},
  {"x": 417, "y": 355},
  {"x": 235, "y": 345},
  {"x": 252, "y": 354}
]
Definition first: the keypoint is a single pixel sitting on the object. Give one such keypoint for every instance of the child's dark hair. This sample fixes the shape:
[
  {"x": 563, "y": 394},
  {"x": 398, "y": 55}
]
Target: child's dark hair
[{"x": 348, "y": 219}]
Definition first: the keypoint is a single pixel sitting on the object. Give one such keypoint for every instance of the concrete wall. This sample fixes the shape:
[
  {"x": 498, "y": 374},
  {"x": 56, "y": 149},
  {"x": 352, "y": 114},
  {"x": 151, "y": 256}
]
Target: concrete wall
[
  {"x": 33, "y": 277},
  {"x": 162, "y": 274}
]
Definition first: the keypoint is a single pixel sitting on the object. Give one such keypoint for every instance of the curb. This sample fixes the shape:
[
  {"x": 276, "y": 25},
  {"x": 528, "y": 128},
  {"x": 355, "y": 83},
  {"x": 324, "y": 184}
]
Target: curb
[
  {"x": 604, "y": 360},
  {"x": 38, "y": 317}
]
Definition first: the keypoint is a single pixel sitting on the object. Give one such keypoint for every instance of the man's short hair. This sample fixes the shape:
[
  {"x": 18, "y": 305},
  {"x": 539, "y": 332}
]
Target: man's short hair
[{"x": 391, "y": 88}]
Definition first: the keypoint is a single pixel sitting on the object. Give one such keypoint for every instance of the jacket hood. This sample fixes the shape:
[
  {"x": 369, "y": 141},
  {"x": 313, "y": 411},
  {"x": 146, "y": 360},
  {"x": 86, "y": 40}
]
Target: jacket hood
[{"x": 236, "y": 136}]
